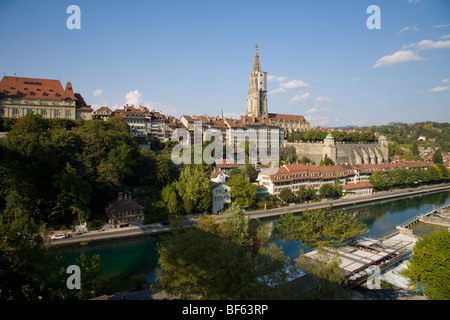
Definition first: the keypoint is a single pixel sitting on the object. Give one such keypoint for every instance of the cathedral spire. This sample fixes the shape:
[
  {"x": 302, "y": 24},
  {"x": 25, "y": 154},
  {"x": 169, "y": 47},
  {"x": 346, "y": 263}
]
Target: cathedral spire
[{"x": 256, "y": 66}]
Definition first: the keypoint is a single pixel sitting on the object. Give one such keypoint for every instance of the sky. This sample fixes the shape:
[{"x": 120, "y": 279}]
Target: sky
[{"x": 195, "y": 56}]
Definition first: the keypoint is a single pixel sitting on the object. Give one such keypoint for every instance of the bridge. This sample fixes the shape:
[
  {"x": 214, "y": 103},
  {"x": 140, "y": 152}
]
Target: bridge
[{"x": 413, "y": 220}]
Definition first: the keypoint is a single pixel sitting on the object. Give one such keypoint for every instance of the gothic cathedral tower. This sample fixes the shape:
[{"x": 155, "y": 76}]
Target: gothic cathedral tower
[{"x": 257, "y": 93}]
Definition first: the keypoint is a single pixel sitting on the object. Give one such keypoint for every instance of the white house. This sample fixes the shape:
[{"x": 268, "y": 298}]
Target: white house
[{"x": 221, "y": 196}]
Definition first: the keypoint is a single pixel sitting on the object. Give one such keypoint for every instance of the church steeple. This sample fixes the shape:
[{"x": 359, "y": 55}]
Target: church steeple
[
  {"x": 256, "y": 66},
  {"x": 257, "y": 93}
]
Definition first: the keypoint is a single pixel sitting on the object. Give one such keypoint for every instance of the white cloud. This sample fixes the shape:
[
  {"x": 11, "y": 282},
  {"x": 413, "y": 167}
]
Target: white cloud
[
  {"x": 416, "y": 1},
  {"x": 98, "y": 92},
  {"x": 277, "y": 90},
  {"x": 293, "y": 84},
  {"x": 323, "y": 99},
  {"x": 445, "y": 36},
  {"x": 429, "y": 45},
  {"x": 300, "y": 98},
  {"x": 320, "y": 120},
  {"x": 444, "y": 80},
  {"x": 441, "y": 25},
  {"x": 312, "y": 110},
  {"x": 134, "y": 98},
  {"x": 409, "y": 28},
  {"x": 316, "y": 109},
  {"x": 439, "y": 89},
  {"x": 277, "y": 79},
  {"x": 285, "y": 86},
  {"x": 396, "y": 58}
]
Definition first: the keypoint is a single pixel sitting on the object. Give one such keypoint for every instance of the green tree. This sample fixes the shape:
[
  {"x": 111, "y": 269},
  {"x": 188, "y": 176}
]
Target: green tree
[
  {"x": 429, "y": 265},
  {"x": 250, "y": 172},
  {"x": 91, "y": 285},
  {"x": 326, "y": 161},
  {"x": 433, "y": 174},
  {"x": 236, "y": 223},
  {"x": 138, "y": 281},
  {"x": 194, "y": 188},
  {"x": 414, "y": 148},
  {"x": 444, "y": 171},
  {"x": 23, "y": 264},
  {"x": 379, "y": 180},
  {"x": 328, "y": 190},
  {"x": 242, "y": 190},
  {"x": 305, "y": 193},
  {"x": 169, "y": 196},
  {"x": 75, "y": 193},
  {"x": 437, "y": 157},
  {"x": 321, "y": 227},
  {"x": 205, "y": 263},
  {"x": 286, "y": 195},
  {"x": 328, "y": 276}
]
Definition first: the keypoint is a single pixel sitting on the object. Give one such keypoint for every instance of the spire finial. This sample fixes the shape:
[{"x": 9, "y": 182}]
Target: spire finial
[{"x": 256, "y": 66}]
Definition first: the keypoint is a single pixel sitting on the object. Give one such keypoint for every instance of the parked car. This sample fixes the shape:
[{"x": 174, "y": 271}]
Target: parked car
[{"x": 58, "y": 236}]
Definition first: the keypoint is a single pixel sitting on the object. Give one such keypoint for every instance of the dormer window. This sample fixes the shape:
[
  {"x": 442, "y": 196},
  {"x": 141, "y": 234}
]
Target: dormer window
[
  {"x": 45, "y": 94},
  {"x": 58, "y": 95}
]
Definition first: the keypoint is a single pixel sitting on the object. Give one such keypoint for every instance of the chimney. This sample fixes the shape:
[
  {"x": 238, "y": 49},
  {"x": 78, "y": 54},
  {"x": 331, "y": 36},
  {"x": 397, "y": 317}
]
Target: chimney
[{"x": 120, "y": 196}]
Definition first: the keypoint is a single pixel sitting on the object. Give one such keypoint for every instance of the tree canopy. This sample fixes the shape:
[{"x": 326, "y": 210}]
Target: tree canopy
[
  {"x": 217, "y": 261},
  {"x": 321, "y": 227},
  {"x": 430, "y": 264}
]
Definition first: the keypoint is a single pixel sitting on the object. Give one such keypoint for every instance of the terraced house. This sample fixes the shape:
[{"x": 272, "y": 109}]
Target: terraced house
[{"x": 293, "y": 176}]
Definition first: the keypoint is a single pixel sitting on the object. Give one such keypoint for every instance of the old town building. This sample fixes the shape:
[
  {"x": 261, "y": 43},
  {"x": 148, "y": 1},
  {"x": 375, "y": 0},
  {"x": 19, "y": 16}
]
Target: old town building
[
  {"x": 293, "y": 176},
  {"x": 21, "y": 96}
]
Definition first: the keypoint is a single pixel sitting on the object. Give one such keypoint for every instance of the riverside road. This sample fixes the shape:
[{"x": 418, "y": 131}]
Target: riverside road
[{"x": 158, "y": 228}]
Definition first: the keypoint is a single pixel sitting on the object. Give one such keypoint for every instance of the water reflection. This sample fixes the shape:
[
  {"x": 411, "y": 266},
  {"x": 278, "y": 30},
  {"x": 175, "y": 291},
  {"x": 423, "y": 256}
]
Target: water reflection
[{"x": 120, "y": 259}]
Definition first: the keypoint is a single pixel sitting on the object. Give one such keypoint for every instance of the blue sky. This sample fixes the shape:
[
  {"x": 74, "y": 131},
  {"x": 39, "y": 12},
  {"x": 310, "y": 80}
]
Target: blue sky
[{"x": 195, "y": 57}]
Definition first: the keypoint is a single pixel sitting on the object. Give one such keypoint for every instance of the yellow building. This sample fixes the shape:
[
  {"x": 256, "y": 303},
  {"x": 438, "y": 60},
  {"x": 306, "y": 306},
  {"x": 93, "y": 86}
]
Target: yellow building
[{"x": 21, "y": 96}]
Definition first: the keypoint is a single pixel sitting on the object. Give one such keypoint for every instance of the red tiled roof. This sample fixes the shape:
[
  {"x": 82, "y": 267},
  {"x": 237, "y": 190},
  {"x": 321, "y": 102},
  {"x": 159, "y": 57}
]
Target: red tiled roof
[
  {"x": 300, "y": 171},
  {"x": 286, "y": 117},
  {"x": 359, "y": 185},
  {"x": 226, "y": 163},
  {"x": 34, "y": 88}
]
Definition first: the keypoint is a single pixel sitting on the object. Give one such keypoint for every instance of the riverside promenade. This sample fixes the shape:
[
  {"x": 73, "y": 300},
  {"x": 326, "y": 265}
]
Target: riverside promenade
[{"x": 158, "y": 228}]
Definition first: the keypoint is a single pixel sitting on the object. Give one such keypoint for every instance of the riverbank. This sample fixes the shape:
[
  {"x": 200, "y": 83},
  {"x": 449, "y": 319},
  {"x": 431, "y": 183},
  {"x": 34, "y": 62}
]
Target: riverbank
[{"x": 158, "y": 228}]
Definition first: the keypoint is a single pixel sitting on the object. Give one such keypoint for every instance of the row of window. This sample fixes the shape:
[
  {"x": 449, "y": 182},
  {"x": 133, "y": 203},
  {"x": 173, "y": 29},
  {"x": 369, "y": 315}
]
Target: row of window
[
  {"x": 43, "y": 112},
  {"x": 219, "y": 198}
]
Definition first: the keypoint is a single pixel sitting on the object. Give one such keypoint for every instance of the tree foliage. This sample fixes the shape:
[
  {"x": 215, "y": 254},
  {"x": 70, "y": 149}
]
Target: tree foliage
[
  {"x": 242, "y": 190},
  {"x": 206, "y": 262},
  {"x": 321, "y": 227},
  {"x": 430, "y": 264},
  {"x": 70, "y": 169},
  {"x": 194, "y": 189}
]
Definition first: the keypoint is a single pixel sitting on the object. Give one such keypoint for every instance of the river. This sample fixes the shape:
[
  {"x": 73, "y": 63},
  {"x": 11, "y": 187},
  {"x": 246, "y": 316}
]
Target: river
[{"x": 121, "y": 259}]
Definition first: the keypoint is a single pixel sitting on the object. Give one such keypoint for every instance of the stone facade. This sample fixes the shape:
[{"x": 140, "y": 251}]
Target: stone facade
[
  {"x": 343, "y": 153},
  {"x": 257, "y": 93},
  {"x": 257, "y": 103}
]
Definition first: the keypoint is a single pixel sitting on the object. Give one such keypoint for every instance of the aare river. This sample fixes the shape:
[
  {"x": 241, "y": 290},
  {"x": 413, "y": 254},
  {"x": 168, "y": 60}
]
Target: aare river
[{"x": 121, "y": 259}]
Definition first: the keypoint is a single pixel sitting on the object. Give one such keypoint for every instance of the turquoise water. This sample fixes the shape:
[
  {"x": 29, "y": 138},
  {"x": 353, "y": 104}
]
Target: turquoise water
[{"x": 120, "y": 259}]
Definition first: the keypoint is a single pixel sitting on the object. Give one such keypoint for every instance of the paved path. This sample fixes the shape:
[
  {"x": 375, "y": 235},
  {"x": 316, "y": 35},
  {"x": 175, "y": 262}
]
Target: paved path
[{"x": 158, "y": 228}]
